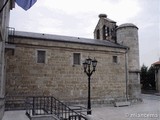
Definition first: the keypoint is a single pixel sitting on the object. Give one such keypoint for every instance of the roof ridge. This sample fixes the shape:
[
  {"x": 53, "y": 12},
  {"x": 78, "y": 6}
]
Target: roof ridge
[{"x": 71, "y": 39}]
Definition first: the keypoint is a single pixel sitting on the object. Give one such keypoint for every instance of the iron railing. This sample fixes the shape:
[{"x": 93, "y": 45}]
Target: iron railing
[{"x": 48, "y": 105}]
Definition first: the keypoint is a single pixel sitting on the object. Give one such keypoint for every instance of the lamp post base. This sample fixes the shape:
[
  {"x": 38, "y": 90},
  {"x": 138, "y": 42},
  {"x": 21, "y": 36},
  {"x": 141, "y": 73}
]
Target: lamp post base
[{"x": 89, "y": 112}]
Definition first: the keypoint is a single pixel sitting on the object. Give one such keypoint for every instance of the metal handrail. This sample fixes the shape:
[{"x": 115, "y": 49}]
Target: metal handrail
[{"x": 48, "y": 105}]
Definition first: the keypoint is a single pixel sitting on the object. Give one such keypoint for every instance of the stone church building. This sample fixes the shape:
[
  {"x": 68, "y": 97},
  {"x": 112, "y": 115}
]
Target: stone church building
[{"x": 52, "y": 65}]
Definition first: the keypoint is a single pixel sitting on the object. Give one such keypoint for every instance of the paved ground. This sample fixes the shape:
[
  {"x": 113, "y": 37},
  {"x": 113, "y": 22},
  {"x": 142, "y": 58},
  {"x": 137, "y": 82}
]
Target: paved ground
[
  {"x": 15, "y": 115},
  {"x": 148, "y": 110}
]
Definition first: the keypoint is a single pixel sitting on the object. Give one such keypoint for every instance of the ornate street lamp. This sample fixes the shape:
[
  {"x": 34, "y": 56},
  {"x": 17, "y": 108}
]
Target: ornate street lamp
[{"x": 87, "y": 69}]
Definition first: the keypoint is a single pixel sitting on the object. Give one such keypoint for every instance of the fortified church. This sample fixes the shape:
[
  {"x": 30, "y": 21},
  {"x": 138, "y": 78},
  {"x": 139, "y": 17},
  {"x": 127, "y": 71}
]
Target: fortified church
[
  {"x": 52, "y": 65},
  {"x": 35, "y": 64}
]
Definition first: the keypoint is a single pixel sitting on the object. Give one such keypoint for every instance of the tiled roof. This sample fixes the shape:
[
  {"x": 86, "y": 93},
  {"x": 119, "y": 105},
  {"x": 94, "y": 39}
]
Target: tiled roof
[
  {"x": 60, "y": 38},
  {"x": 156, "y": 63}
]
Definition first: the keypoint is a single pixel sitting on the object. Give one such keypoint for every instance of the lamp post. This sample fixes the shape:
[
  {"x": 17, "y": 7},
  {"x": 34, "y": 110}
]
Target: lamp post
[{"x": 87, "y": 69}]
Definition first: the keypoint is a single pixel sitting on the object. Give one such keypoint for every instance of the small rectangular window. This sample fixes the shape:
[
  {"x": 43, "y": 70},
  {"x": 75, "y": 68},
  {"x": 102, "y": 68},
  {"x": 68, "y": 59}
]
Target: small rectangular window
[
  {"x": 115, "y": 59},
  {"x": 76, "y": 58},
  {"x": 41, "y": 56}
]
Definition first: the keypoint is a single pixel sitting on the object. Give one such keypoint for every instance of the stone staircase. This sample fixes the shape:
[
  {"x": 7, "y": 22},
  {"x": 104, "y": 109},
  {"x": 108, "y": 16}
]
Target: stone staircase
[
  {"x": 15, "y": 103},
  {"x": 45, "y": 108},
  {"x": 50, "y": 108}
]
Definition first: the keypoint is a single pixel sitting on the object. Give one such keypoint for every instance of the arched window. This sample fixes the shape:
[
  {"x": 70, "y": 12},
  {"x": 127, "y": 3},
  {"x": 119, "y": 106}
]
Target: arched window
[
  {"x": 104, "y": 32},
  {"x": 98, "y": 34},
  {"x": 107, "y": 31}
]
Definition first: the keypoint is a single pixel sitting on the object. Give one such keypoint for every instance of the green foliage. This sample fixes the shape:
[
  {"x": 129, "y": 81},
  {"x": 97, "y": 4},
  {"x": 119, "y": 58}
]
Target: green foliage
[{"x": 147, "y": 78}]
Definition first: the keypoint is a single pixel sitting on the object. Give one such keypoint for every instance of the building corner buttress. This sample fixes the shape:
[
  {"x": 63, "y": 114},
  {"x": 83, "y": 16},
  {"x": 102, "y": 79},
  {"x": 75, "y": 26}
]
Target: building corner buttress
[{"x": 5, "y": 7}]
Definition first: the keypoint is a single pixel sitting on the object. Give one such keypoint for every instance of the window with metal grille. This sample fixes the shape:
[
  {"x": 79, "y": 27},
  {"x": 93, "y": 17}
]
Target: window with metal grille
[
  {"x": 41, "y": 56},
  {"x": 76, "y": 58},
  {"x": 115, "y": 59}
]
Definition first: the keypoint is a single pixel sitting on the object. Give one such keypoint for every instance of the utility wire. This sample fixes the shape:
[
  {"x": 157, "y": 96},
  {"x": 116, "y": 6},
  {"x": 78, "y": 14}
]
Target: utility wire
[{"x": 4, "y": 6}]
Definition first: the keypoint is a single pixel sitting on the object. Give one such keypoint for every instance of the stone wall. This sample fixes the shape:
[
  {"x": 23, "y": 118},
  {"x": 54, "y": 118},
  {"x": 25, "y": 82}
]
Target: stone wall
[
  {"x": 59, "y": 77},
  {"x": 2, "y": 80}
]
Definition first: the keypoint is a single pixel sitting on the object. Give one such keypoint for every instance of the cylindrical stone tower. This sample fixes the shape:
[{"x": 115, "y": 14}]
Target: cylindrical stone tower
[{"x": 127, "y": 34}]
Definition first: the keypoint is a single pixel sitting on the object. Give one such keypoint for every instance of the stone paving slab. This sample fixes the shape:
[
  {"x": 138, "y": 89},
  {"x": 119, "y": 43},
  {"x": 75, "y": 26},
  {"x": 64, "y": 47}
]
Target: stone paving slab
[{"x": 15, "y": 115}]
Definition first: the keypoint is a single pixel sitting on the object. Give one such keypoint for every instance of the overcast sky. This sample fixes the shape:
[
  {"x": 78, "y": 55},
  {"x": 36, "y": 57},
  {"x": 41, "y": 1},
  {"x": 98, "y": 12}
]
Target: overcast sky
[{"x": 79, "y": 18}]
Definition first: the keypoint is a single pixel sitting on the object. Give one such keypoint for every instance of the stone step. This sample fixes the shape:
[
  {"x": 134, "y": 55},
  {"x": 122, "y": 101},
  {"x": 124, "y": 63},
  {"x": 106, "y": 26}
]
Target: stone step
[{"x": 122, "y": 104}]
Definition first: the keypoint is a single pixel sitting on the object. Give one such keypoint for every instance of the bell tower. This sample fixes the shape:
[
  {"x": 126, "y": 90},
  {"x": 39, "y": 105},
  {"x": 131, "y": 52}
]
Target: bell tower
[{"x": 105, "y": 29}]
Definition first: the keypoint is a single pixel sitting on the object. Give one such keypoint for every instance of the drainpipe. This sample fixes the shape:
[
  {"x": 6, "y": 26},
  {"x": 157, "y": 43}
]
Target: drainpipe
[{"x": 126, "y": 70}]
